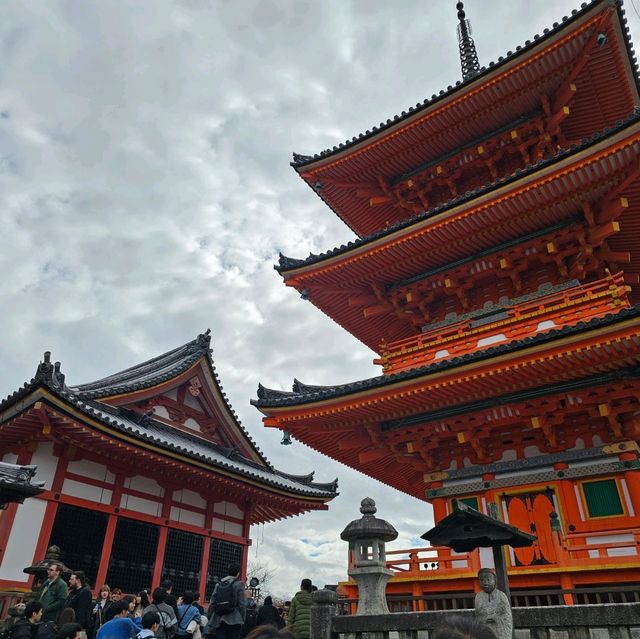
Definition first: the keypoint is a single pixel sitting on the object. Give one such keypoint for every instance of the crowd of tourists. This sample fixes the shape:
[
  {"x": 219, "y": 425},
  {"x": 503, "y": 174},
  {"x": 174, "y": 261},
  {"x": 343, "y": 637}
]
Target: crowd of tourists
[
  {"x": 69, "y": 612},
  {"x": 64, "y": 610}
]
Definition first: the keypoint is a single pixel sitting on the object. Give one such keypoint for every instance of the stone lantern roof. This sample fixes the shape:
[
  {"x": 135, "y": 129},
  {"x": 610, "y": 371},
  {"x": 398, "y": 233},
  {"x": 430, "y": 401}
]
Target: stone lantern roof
[{"x": 368, "y": 526}]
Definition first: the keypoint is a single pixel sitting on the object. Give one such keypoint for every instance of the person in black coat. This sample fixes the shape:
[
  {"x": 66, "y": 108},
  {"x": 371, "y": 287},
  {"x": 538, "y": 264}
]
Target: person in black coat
[
  {"x": 268, "y": 614},
  {"x": 27, "y": 627},
  {"x": 79, "y": 599}
]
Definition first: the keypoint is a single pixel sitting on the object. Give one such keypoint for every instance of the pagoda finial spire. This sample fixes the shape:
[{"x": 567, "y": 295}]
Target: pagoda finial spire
[{"x": 468, "y": 56}]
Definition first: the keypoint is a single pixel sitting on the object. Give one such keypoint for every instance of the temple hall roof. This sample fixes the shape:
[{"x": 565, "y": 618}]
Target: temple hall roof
[{"x": 86, "y": 399}]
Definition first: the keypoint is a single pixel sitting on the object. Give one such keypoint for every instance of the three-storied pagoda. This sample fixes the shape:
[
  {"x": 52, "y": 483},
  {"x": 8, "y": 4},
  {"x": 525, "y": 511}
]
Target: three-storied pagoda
[
  {"x": 497, "y": 274},
  {"x": 148, "y": 476}
]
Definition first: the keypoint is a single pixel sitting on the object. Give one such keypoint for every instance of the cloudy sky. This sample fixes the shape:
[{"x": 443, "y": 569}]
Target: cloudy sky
[{"x": 145, "y": 193}]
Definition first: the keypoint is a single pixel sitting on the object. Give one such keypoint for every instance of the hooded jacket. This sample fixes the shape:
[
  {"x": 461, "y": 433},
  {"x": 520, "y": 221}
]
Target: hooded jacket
[{"x": 299, "y": 617}]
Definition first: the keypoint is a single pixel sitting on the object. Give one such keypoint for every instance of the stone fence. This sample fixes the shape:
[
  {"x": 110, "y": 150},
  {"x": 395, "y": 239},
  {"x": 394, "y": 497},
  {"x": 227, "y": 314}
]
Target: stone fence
[{"x": 597, "y": 621}]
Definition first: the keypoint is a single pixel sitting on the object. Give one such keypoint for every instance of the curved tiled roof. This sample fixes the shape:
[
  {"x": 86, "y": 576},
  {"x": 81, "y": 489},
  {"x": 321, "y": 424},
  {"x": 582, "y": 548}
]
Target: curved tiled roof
[
  {"x": 300, "y": 161},
  {"x": 273, "y": 399},
  {"x": 149, "y": 373},
  {"x": 161, "y": 369},
  {"x": 146, "y": 429},
  {"x": 288, "y": 263}
]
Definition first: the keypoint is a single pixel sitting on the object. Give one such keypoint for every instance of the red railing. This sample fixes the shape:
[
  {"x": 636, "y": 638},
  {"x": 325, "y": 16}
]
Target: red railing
[
  {"x": 563, "y": 308},
  {"x": 618, "y": 546}
]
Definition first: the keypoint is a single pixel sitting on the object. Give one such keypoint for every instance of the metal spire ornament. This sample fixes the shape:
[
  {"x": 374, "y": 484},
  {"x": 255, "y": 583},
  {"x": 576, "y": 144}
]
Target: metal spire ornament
[{"x": 468, "y": 56}]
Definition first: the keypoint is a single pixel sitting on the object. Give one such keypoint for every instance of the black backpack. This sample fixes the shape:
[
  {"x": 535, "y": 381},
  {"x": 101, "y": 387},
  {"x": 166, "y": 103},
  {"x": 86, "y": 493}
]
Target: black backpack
[{"x": 224, "y": 598}]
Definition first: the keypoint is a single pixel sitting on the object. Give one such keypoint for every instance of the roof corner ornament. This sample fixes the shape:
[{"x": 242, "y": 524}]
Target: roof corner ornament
[
  {"x": 203, "y": 340},
  {"x": 49, "y": 373},
  {"x": 286, "y": 440},
  {"x": 468, "y": 56},
  {"x": 299, "y": 158}
]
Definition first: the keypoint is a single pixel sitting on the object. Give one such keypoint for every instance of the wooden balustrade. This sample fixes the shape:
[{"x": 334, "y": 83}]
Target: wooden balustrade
[{"x": 562, "y": 308}]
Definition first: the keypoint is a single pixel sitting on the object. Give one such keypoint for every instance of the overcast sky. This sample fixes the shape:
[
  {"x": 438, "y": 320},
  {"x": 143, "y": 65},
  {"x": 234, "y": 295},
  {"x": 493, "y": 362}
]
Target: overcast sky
[{"x": 146, "y": 192}]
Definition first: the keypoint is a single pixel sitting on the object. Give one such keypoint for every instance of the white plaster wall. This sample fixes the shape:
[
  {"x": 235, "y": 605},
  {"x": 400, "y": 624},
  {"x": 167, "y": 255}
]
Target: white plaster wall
[
  {"x": 189, "y": 497},
  {"x": 9, "y": 458},
  {"x": 187, "y": 517},
  {"x": 228, "y": 527},
  {"x": 140, "y": 505},
  {"x": 144, "y": 485},
  {"x": 91, "y": 469},
  {"x": 193, "y": 424},
  {"x": 161, "y": 411},
  {"x": 23, "y": 539},
  {"x": 192, "y": 402},
  {"x": 46, "y": 462},
  {"x": 229, "y": 509},
  {"x": 486, "y": 558},
  {"x": 86, "y": 491}
]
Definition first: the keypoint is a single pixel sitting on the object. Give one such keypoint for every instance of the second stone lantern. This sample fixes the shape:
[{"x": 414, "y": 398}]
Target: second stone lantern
[{"x": 367, "y": 537}]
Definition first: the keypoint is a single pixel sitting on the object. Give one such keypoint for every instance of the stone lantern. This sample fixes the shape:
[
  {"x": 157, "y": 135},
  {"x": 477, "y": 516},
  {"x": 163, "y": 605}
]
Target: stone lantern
[{"x": 367, "y": 537}]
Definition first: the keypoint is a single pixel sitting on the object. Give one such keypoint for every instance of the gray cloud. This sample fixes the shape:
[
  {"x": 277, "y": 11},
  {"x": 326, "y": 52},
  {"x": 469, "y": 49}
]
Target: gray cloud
[{"x": 146, "y": 192}]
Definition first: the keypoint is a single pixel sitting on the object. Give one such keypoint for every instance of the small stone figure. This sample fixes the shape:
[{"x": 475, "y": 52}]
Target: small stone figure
[{"x": 492, "y": 606}]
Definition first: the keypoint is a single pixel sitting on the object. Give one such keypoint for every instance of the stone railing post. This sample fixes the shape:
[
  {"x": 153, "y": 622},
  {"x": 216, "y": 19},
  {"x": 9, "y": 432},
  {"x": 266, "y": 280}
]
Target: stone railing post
[{"x": 322, "y": 613}]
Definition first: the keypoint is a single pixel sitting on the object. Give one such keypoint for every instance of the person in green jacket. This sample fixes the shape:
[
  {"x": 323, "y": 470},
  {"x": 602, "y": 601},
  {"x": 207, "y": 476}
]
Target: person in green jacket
[
  {"x": 299, "y": 618},
  {"x": 53, "y": 594}
]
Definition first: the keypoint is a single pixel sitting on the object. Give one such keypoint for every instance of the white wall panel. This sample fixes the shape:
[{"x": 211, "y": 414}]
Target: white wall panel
[
  {"x": 91, "y": 469},
  {"x": 86, "y": 491},
  {"x": 144, "y": 485},
  {"x": 189, "y": 497},
  {"x": 229, "y": 509},
  {"x": 46, "y": 462},
  {"x": 23, "y": 539},
  {"x": 228, "y": 527},
  {"x": 139, "y": 505}
]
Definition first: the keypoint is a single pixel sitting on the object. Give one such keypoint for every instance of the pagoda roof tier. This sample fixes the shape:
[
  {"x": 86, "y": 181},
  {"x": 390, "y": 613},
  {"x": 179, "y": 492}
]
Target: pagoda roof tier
[
  {"x": 101, "y": 424},
  {"x": 400, "y": 427},
  {"x": 352, "y": 283},
  {"x": 584, "y": 66}
]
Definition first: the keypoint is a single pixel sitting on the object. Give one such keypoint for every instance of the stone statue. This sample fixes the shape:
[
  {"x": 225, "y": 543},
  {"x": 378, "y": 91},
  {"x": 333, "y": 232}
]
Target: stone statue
[{"x": 492, "y": 607}]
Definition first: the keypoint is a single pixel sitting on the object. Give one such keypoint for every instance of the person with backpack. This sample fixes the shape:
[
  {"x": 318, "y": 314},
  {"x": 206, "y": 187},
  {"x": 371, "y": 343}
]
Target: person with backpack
[
  {"x": 187, "y": 613},
  {"x": 228, "y": 605},
  {"x": 168, "y": 621}
]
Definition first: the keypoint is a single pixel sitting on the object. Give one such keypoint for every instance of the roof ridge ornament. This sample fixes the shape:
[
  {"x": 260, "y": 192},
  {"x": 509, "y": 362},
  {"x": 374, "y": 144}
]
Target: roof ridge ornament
[
  {"x": 49, "y": 373},
  {"x": 468, "y": 56}
]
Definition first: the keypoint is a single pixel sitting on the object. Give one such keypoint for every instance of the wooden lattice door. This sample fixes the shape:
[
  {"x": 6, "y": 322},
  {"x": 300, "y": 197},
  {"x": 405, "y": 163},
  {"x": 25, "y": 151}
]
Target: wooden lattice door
[{"x": 530, "y": 512}]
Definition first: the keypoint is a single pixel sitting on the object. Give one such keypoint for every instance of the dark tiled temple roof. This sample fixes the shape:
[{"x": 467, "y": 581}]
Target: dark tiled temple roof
[
  {"x": 158, "y": 370},
  {"x": 146, "y": 429},
  {"x": 271, "y": 398},
  {"x": 289, "y": 263},
  {"x": 300, "y": 161},
  {"x": 16, "y": 484},
  {"x": 153, "y": 371}
]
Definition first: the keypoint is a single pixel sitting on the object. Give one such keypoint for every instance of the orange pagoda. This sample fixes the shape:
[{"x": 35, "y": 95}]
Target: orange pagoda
[{"x": 496, "y": 272}]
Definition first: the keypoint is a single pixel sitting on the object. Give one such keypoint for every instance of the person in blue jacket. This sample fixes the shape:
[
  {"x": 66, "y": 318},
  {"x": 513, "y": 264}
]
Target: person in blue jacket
[{"x": 187, "y": 613}]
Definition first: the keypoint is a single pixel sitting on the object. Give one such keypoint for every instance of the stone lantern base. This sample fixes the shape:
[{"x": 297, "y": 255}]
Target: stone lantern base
[{"x": 372, "y": 586}]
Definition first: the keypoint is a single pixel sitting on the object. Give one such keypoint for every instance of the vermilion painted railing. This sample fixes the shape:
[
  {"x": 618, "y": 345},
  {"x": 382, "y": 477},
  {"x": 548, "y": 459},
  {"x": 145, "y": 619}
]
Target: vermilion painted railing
[
  {"x": 571, "y": 549},
  {"x": 431, "y": 558},
  {"x": 564, "y": 308}
]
